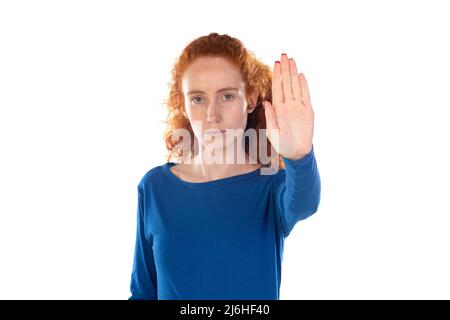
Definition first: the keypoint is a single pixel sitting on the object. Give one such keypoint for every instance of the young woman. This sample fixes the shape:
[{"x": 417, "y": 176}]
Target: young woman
[{"x": 216, "y": 229}]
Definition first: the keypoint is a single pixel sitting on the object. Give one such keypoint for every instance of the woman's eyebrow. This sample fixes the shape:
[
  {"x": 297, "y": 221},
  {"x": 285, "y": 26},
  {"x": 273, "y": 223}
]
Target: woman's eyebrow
[{"x": 220, "y": 90}]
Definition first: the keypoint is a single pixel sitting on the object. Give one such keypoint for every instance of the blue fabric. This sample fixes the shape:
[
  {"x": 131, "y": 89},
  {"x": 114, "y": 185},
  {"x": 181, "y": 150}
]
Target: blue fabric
[{"x": 221, "y": 239}]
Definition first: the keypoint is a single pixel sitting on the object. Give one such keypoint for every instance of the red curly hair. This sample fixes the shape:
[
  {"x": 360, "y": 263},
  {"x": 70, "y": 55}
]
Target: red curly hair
[{"x": 257, "y": 78}]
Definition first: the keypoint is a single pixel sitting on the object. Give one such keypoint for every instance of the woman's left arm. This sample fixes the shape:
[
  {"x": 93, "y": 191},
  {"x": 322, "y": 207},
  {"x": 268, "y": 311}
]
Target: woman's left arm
[{"x": 296, "y": 192}]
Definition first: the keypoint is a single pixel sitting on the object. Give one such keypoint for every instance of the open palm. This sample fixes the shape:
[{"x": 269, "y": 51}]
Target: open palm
[{"x": 290, "y": 114}]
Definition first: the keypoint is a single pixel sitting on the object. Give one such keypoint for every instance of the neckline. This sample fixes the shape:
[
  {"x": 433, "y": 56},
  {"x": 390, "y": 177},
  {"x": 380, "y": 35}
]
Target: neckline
[{"x": 207, "y": 184}]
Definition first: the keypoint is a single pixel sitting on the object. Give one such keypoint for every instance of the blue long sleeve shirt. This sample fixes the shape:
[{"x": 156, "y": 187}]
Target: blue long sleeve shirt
[{"x": 221, "y": 239}]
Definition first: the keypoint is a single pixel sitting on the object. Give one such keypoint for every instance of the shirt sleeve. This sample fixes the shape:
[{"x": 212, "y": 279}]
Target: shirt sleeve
[
  {"x": 296, "y": 192},
  {"x": 143, "y": 277}
]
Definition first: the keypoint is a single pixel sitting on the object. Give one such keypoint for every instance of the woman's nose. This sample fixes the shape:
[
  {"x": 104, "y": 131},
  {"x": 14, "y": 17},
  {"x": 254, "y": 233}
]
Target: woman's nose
[{"x": 212, "y": 113}]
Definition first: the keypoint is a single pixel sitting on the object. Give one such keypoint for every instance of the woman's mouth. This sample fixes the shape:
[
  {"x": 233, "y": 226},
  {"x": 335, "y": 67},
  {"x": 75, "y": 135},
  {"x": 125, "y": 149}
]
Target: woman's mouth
[{"x": 215, "y": 131}]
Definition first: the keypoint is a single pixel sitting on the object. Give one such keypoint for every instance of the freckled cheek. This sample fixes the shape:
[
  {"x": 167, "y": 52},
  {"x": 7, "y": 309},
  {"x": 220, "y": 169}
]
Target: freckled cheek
[
  {"x": 237, "y": 119},
  {"x": 197, "y": 118},
  {"x": 236, "y": 114},
  {"x": 193, "y": 113}
]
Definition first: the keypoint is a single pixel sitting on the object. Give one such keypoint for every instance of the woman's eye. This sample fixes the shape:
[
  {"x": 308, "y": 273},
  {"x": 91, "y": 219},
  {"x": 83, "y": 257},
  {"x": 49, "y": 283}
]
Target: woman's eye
[
  {"x": 230, "y": 95},
  {"x": 194, "y": 99}
]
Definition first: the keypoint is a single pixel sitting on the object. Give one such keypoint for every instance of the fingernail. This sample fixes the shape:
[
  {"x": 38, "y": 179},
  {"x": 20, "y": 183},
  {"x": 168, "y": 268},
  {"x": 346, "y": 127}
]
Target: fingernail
[
  {"x": 277, "y": 61},
  {"x": 284, "y": 54}
]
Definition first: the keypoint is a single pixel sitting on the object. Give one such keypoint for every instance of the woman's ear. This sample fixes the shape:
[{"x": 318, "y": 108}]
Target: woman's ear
[{"x": 251, "y": 108}]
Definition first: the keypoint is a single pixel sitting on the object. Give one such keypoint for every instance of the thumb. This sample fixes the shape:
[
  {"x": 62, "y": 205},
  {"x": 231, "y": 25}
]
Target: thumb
[{"x": 271, "y": 117}]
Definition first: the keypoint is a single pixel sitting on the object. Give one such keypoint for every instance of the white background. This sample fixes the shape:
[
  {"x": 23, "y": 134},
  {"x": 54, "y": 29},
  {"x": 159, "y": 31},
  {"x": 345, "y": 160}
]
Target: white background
[{"x": 81, "y": 91}]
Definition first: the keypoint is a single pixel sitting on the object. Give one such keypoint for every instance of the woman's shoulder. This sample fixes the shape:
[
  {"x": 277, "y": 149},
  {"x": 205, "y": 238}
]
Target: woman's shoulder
[{"x": 152, "y": 176}]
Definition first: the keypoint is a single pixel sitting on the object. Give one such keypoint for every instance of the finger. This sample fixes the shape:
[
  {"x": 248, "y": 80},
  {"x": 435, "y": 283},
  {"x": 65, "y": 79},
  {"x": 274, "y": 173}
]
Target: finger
[
  {"x": 305, "y": 90},
  {"x": 296, "y": 88},
  {"x": 277, "y": 90},
  {"x": 286, "y": 78}
]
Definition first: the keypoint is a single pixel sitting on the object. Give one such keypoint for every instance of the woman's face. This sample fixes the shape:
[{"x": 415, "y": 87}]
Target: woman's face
[{"x": 214, "y": 95}]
